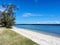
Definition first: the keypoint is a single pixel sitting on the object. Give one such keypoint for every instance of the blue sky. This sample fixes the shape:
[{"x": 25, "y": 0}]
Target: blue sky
[{"x": 36, "y": 11}]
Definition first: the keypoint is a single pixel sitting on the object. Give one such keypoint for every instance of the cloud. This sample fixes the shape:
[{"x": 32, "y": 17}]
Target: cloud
[
  {"x": 33, "y": 15},
  {"x": 30, "y": 15},
  {"x": 2, "y": 10},
  {"x": 48, "y": 22},
  {"x": 57, "y": 22}
]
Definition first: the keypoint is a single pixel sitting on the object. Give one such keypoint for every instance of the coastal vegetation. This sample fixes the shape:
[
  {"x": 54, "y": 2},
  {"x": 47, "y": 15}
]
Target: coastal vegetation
[{"x": 7, "y": 17}]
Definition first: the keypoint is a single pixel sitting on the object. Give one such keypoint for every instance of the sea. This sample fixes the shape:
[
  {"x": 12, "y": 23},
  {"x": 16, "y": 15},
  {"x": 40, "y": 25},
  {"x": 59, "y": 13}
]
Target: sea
[{"x": 43, "y": 28}]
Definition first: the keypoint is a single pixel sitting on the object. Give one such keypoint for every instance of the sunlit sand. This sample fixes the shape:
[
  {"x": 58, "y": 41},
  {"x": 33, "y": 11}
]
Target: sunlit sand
[{"x": 40, "y": 38}]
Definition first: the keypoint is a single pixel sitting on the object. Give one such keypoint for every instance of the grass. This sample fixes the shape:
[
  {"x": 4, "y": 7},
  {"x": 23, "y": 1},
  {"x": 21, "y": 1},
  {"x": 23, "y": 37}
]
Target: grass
[{"x": 8, "y": 37}]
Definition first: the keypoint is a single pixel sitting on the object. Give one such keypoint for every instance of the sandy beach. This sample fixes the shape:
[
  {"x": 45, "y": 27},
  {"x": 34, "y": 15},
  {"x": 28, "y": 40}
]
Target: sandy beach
[{"x": 40, "y": 38}]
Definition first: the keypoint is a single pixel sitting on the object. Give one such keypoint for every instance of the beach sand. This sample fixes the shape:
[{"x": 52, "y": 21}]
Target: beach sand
[{"x": 40, "y": 38}]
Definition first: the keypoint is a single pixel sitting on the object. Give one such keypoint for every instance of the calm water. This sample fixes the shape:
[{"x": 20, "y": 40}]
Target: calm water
[{"x": 52, "y": 29}]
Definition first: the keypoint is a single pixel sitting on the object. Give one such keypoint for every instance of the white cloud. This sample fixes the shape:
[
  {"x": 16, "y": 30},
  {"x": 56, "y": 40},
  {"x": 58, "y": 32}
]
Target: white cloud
[
  {"x": 1, "y": 10},
  {"x": 30, "y": 14},
  {"x": 57, "y": 22},
  {"x": 48, "y": 22}
]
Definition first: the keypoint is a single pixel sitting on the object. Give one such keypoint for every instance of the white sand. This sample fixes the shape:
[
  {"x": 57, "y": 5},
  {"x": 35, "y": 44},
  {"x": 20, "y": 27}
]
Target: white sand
[{"x": 40, "y": 38}]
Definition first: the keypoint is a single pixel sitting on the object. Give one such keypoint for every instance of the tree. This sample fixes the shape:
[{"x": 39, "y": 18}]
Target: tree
[
  {"x": 8, "y": 15},
  {"x": 0, "y": 17}
]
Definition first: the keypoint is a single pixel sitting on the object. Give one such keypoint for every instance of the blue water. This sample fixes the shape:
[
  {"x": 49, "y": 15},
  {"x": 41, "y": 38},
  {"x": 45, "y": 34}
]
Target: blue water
[{"x": 42, "y": 28}]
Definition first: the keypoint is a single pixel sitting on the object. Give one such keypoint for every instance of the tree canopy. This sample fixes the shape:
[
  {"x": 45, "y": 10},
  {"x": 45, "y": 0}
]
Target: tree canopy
[{"x": 7, "y": 17}]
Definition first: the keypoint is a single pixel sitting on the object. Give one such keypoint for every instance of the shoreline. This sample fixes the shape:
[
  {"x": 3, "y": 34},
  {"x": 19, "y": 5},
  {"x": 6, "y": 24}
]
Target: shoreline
[
  {"x": 52, "y": 34},
  {"x": 40, "y": 38}
]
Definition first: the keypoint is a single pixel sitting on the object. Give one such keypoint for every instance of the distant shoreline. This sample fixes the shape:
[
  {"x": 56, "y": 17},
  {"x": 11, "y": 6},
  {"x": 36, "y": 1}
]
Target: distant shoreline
[{"x": 40, "y": 24}]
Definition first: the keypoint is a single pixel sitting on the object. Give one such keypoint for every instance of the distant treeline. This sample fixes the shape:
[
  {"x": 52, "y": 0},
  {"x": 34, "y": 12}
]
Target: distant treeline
[{"x": 40, "y": 24}]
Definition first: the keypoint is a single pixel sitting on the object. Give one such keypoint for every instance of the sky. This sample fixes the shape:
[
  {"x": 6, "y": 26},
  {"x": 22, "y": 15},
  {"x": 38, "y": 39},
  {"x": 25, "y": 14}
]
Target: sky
[{"x": 35, "y": 11}]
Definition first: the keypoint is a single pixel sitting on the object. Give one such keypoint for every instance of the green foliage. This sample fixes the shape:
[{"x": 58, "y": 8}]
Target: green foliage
[{"x": 8, "y": 16}]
